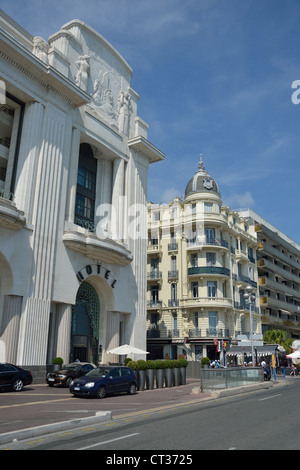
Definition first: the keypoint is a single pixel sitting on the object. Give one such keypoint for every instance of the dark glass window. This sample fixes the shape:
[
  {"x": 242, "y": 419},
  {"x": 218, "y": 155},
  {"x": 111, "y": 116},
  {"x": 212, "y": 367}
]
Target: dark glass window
[{"x": 86, "y": 187}]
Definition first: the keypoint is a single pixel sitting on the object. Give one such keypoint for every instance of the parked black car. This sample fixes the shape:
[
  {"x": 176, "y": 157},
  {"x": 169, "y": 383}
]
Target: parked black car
[
  {"x": 13, "y": 377},
  {"x": 68, "y": 373},
  {"x": 105, "y": 380}
]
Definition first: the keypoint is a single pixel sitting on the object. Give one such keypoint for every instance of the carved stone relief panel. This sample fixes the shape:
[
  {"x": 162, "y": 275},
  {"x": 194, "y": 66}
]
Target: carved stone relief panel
[{"x": 108, "y": 100}]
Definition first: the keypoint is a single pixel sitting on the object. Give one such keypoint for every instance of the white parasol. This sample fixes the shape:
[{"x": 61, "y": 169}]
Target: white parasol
[
  {"x": 294, "y": 355},
  {"x": 126, "y": 349}
]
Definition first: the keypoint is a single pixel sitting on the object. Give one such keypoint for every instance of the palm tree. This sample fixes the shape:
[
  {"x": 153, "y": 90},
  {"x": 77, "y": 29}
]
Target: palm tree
[{"x": 278, "y": 337}]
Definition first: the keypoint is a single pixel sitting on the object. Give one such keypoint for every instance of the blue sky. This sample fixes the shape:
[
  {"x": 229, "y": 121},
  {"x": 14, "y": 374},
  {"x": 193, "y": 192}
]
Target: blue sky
[{"x": 214, "y": 77}]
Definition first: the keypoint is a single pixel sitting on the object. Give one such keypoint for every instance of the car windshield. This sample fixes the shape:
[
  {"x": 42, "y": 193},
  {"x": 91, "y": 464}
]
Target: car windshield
[
  {"x": 72, "y": 366},
  {"x": 99, "y": 372}
]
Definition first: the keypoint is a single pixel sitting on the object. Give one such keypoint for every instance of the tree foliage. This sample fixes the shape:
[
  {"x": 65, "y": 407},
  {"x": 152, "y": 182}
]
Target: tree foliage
[{"x": 278, "y": 337}]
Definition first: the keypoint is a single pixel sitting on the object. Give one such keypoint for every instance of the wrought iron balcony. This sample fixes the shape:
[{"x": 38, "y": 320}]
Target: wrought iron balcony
[
  {"x": 173, "y": 274},
  {"x": 208, "y": 270},
  {"x": 154, "y": 275}
]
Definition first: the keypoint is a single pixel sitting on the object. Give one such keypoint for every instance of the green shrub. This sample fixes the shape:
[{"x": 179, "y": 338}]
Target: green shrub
[
  {"x": 183, "y": 362},
  {"x": 133, "y": 365},
  {"x": 142, "y": 364},
  {"x": 128, "y": 359},
  {"x": 168, "y": 364},
  {"x": 176, "y": 363},
  {"x": 150, "y": 364},
  {"x": 159, "y": 364},
  {"x": 57, "y": 360},
  {"x": 205, "y": 361}
]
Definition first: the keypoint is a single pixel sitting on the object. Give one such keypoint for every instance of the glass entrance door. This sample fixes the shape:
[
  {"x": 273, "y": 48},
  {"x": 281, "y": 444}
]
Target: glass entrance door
[{"x": 85, "y": 325}]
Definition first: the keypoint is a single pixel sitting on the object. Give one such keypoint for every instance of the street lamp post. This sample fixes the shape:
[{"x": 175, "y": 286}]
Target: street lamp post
[{"x": 250, "y": 297}]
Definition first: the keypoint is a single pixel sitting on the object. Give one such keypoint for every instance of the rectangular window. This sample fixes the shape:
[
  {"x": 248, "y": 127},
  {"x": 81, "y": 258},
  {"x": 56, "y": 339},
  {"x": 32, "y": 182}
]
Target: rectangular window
[
  {"x": 208, "y": 207},
  {"x": 194, "y": 289},
  {"x": 154, "y": 290},
  {"x": 173, "y": 291},
  {"x": 212, "y": 322},
  {"x": 194, "y": 260},
  {"x": 210, "y": 235},
  {"x": 211, "y": 289},
  {"x": 210, "y": 259}
]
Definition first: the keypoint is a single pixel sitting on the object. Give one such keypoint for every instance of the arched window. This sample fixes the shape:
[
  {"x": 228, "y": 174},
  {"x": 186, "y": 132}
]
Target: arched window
[{"x": 86, "y": 188}]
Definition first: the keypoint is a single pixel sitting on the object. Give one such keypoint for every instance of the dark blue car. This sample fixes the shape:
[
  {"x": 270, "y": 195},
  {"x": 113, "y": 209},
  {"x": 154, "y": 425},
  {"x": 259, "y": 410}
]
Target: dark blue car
[{"x": 105, "y": 380}]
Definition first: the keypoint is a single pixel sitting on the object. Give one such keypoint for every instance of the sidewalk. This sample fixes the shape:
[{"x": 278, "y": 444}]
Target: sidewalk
[{"x": 41, "y": 410}]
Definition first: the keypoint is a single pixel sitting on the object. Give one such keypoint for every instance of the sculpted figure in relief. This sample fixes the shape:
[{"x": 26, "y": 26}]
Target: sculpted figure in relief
[
  {"x": 83, "y": 66},
  {"x": 124, "y": 111},
  {"x": 103, "y": 97},
  {"x": 40, "y": 48}
]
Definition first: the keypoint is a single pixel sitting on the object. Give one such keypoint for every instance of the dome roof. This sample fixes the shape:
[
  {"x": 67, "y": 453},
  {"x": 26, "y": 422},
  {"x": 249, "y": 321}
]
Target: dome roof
[{"x": 201, "y": 182}]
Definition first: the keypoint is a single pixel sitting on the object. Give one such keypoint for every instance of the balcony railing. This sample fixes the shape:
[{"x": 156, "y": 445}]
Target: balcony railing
[
  {"x": 209, "y": 270},
  {"x": 173, "y": 274},
  {"x": 85, "y": 223},
  {"x": 154, "y": 304},
  {"x": 218, "y": 332},
  {"x": 173, "y": 246},
  {"x": 207, "y": 241},
  {"x": 154, "y": 275},
  {"x": 173, "y": 303},
  {"x": 247, "y": 280}
]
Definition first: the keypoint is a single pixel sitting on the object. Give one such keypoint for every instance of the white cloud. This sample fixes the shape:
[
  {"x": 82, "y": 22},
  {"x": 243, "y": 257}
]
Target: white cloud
[{"x": 239, "y": 201}]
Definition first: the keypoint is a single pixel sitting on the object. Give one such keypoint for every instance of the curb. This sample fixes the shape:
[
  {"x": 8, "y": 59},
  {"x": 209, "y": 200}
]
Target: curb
[
  {"x": 54, "y": 427},
  {"x": 239, "y": 390}
]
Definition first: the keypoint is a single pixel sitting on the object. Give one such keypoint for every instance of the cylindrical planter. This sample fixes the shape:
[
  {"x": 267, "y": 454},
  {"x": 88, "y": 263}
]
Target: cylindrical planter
[
  {"x": 169, "y": 377},
  {"x": 182, "y": 375},
  {"x": 141, "y": 380},
  {"x": 160, "y": 377},
  {"x": 176, "y": 374},
  {"x": 150, "y": 376}
]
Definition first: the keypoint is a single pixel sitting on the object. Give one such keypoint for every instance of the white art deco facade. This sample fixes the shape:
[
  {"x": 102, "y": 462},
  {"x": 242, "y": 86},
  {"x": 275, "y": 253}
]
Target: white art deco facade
[
  {"x": 72, "y": 280},
  {"x": 201, "y": 257}
]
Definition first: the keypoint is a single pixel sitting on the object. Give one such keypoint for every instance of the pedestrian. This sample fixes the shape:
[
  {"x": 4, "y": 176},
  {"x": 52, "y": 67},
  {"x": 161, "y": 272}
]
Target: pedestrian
[{"x": 293, "y": 371}]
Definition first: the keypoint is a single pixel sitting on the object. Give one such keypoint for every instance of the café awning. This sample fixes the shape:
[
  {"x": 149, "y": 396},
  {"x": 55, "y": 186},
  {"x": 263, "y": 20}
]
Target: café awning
[{"x": 266, "y": 350}]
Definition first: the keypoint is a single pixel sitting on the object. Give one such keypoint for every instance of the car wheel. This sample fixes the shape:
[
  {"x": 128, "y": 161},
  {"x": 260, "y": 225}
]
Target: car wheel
[
  {"x": 17, "y": 385},
  {"x": 101, "y": 392},
  {"x": 132, "y": 389},
  {"x": 68, "y": 381},
  {"x": 51, "y": 385}
]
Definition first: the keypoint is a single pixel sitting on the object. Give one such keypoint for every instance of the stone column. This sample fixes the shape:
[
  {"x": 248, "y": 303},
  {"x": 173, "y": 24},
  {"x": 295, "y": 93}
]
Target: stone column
[
  {"x": 112, "y": 336},
  {"x": 9, "y": 330},
  {"x": 64, "y": 318},
  {"x": 118, "y": 199},
  {"x": 30, "y": 148},
  {"x": 72, "y": 177},
  {"x": 34, "y": 323}
]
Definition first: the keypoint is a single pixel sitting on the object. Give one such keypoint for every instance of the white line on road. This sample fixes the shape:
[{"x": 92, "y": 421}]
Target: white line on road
[
  {"x": 107, "y": 442},
  {"x": 272, "y": 396}
]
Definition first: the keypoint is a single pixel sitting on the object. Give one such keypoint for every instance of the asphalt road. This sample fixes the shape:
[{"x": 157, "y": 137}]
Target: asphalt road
[{"x": 264, "y": 420}]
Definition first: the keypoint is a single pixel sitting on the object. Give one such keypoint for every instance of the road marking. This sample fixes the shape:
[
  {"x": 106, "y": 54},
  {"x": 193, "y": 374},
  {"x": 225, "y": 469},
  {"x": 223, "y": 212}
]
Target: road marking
[
  {"x": 34, "y": 403},
  {"x": 272, "y": 396},
  {"x": 107, "y": 442}
]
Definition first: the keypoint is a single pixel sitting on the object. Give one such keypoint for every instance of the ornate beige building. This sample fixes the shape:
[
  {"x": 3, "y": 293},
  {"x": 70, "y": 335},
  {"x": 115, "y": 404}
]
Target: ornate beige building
[{"x": 201, "y": 256}]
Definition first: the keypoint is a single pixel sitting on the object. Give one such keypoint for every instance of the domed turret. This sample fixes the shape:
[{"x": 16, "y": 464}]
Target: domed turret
[{"x": 201, "y": 182}]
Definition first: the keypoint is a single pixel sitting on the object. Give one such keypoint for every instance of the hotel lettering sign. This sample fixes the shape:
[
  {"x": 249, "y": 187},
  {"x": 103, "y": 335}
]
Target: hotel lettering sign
[{"x": 96, "y": 270}]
